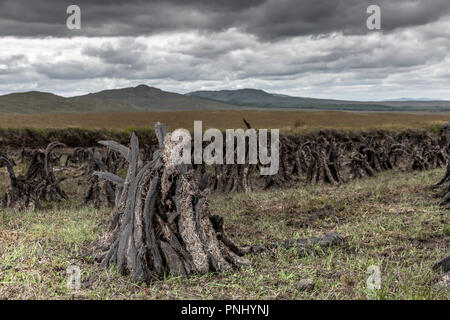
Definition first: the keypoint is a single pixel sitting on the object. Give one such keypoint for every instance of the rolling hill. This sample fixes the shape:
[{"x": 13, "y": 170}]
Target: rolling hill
[
  {"x": 153, "y": 99},
  {"x": 261, "y": 99},
  {"x": 144, "y": 98},
  {"x": 138, "y": 99},
  {"x": 43, "y": 102}
]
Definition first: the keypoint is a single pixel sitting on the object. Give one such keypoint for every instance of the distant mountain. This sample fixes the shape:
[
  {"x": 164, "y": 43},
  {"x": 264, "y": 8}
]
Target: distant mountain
[
  {"x": 43, "y": 102},
  {"x": 140, "y": 98},
  {"x": 144, "y": 98},
  {"x": 153, "y": 99},
  {"x": 411, "y": 99},
  {"x": 261, "y": 99},
  {"x": 240, "y": 96}
]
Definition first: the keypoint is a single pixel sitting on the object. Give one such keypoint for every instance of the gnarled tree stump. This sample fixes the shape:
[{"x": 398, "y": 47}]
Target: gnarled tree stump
[
  {"x": 37, "y": 185},
  {"x": 161, "y": 223}
]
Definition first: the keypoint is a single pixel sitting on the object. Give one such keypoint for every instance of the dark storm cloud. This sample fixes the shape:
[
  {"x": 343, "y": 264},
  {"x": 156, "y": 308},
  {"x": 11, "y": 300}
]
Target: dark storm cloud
[
  {"x": 267, "y": 19},
  {"x": 304, "y": 47},
  {"x": 233, "y": 55}
]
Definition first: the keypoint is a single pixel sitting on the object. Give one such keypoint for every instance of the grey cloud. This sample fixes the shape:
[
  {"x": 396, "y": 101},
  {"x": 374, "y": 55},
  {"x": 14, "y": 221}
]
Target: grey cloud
[
  {"x": 126, "y": 51},
  {"x": 215, "y": 57},
  {"x": 12, "y": 64},
  {"x": 74, "y": 70},
  {"x": 267, "y": 19},
  {"x": 311, "y": 48}
]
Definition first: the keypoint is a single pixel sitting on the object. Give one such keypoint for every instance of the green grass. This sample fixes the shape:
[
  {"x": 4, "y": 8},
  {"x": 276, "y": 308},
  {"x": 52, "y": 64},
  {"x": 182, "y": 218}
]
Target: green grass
[{"x": 391, "y": 220}]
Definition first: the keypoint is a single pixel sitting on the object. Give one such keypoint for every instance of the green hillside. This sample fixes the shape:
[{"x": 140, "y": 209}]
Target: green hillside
[
  {"x": 262, "y": 99},
  {"x": 144, "y": 98},
  {"x": 153, "y": 99},
  {"x": 141, "y": 98},
  {"x": 42, "y": 102}
]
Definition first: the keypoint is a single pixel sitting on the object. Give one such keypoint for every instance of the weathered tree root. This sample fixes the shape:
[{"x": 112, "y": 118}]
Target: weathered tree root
[
  {"x": 325, "y": 162},
  {"x": 443, "y": 268},
  {"x": 161, "y": 223},
  {"x": 444, "y": 186},
  {"x": 446, "y": 178},
  {"x": 334, "y": 158},
  {"x": 18, "y": 196},
  {"x": 443, "y": 264},
  {"x": 101, "y": 193},
  {"x": 38, "y": 184},
  {"x": 9, "y": 159},
  {"x": 79, "y": 156},
  {"x": 232, "y": 178},
  {"x": 303, "y": 246}
]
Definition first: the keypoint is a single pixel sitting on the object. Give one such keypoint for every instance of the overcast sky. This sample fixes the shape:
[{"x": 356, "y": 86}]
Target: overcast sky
[{"x": 308, "y": 48}]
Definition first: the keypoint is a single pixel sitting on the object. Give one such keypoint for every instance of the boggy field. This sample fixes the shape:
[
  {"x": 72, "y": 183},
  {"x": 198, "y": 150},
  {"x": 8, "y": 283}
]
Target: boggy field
[
  {"x": 374, "y": 190},
  {"x": 286, "y": 121},
  {"x": 392, "y": 220}
]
